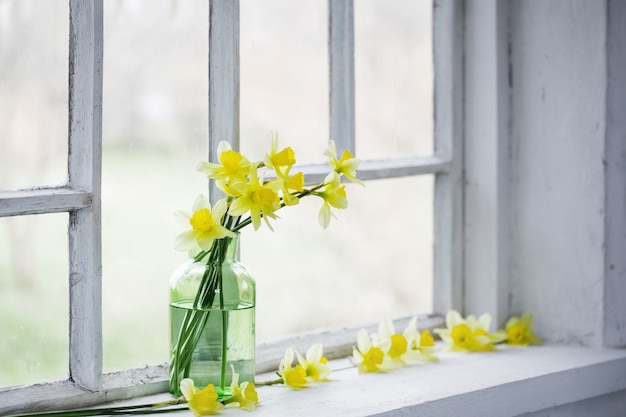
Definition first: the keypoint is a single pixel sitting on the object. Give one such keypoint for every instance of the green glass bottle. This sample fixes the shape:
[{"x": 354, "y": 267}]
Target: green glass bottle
[{"x": 212, "y": 319}]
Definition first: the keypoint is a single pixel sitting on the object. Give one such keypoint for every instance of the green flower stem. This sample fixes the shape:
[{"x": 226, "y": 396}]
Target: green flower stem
[
  {"x": 224, "y": 330},
  {"x": 268, "y": 383},
  {"x": 224, "y": 347},
  {"x": 196, "y": 318}
]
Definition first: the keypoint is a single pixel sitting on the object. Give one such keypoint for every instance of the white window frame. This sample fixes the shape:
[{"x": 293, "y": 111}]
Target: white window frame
[
  {"x": 82, "y": 199},
  {"x": 80, "y": 196}
]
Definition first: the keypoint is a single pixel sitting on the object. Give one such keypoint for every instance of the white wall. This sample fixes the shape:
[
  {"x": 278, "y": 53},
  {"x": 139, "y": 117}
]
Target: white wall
[
  {"x": 567, "y": 169},
  {"x": 557, "y": 149},
  {"x": 557, "y": 107}
]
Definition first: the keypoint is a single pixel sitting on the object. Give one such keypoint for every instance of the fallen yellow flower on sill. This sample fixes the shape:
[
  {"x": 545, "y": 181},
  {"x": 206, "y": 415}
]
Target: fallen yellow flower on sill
[
  {"x": 202, "y": 402},
  {"x": 294, "y": 377},
  {"x": 400, "y": 352},
  {"x": 519, "y": 333},
  {"x": 244, "y": 395},
  {"x": 367, "y": 357},
  {"x": 314, "y": 363},
  {"x": 470, "y": 334},
  {"x": 422, "y": 342}
]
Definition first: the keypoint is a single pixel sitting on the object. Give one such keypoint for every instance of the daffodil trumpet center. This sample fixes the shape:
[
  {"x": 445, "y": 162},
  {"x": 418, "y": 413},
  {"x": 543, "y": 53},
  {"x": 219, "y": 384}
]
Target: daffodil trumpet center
[
  {"x": 398, "y": 347},
  {"x": 461, "y": 334},
  {"x": 515, "y": 333}
]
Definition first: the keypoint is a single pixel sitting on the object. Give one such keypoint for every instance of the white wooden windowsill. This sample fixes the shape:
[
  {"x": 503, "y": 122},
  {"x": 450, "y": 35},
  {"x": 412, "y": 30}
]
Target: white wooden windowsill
[{"x": 510, "y": 382}]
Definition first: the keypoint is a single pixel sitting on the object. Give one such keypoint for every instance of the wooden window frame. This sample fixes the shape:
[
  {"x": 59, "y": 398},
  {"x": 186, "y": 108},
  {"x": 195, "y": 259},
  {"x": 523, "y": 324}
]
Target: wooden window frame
[{"x": 81, "y": 196}]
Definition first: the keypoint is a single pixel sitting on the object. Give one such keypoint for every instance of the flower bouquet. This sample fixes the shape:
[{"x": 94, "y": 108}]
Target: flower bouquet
[{"x": 213, "y": 296}]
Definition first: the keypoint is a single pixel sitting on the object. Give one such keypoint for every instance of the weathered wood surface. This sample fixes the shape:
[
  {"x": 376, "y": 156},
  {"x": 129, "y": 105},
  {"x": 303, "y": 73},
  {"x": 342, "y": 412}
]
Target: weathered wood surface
[
  {"x": 512, "y": 382},
  {"x": 341, "y": 73},
  {"x": 378, "y": 169},
  {"x": 615, "y": 172},
  {"x": 85, "y": 167},
  {"x": 42, "y": 200},
  {"x": 508, "y": 383},
  {"x": 487, "y": 159},
  {"x": 223, "y": 80},
  {"x": 448, "y": 193}
]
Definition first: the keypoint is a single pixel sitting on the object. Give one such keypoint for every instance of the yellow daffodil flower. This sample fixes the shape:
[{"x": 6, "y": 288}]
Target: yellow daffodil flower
[
  {"x": 315, "y": 364},
  {"x": 202, "y": 402},
  {"x": 245, "y": 394},
  {"x": 518, "y": 331},
  {"x": 370, "y": 358},
  {"x": 257, "y": 198},
  {"x": 205, "y": 225},
  {"x": 469, "y": 335},
  {"x": 422, "y": 342},
  {"x": 334, "y": 195},
  {"x": 426, "y": 345},
  {"x": 279, "y": 159},
  {"x": 233, "y": 166},
  {"x": 346, "y": 165},
  {"x": 294, "y": 377},
  {"x": 289, "y": 183},
  {"x": 399, "y": 351}
]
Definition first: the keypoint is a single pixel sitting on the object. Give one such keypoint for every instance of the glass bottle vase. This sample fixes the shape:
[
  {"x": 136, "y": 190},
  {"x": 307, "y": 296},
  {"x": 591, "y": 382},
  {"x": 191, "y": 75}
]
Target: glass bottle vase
[{"x": 212, "y": 320}]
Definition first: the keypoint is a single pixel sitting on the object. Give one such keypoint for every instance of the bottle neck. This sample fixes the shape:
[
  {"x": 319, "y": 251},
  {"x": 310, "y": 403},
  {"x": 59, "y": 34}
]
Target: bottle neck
[{"x": 232, "y": 246}]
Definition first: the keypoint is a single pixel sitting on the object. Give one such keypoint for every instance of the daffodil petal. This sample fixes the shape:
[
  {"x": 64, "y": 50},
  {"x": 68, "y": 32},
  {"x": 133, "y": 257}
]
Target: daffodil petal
[
  {"x": 412, "y": 357},
  {"x": 386, "y": 328},
  {"x": 358, "y": 357},
  {"x": 219, "y": 209},
  {"x": 484, "y": 321},
  {"x": 526, "y": 320},
  {"x": 512, "y": 322},
  {"x": 205, "y": 242},
  {"x": 331, "y": 151},
  {"x": 182, "y": 217},
  {"x": 185, "y": 241},
  {"x": 453, "y": 318},
  {"x": 314, "y": 353},
  {"x": 324, "y": 215},
  {"x": 363, "y": 341},
  {"x": 201, "y": 202},
  {"x": 223, "y": 146},
  {"x": 410, "y": 332},
  {"x": 187, "y": 387},
  {"x": 240, "y": 206}
]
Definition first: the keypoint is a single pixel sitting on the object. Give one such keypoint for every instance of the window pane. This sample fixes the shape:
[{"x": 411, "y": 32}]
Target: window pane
[
  {"x": 375, "y": 261},
  {"x": 33, "y": 101},
  {"x": 394, "y": 78},
  {"x": 284, "y": 76},
  {"x": 33, "y": 299},
  {"x": 155, "y": 132}
]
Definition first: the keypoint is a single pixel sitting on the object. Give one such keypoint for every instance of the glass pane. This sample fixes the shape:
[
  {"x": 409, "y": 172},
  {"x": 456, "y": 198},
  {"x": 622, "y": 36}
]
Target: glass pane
[
  {"x": 374, "y": 261},
  {"x": 33, "y": 299},
  {"x": 33, "y": 92},
  {"x": 394, "y": 78},
  {"x": 155, "y": 132},
  {"x": 284, "y": 76}
]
